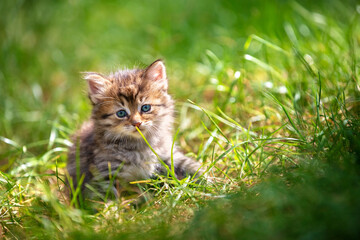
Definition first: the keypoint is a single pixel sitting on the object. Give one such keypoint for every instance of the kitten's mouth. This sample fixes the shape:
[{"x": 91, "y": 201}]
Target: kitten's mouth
[
  {"x": 140, "y": 128},
  {"x": 134, "y": 133}
]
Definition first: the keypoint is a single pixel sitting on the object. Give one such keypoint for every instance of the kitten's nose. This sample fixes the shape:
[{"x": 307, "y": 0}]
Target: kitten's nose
[{"x": 136, "y": 124}]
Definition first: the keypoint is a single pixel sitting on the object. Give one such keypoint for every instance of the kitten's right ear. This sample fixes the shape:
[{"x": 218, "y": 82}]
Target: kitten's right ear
[
  {"x": 97, "y": 84},
  {"x": 156, "y": 73}
]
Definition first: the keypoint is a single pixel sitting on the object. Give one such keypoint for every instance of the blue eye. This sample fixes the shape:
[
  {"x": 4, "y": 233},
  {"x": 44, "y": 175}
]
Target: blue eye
[
  {"x": 145, "y": 108},
  {"x": 121, "y": 113}
]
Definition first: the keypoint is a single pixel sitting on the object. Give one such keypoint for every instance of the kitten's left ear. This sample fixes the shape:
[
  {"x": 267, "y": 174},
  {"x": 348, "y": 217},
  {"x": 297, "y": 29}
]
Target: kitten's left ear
[
  {"x": 156, "y": 73},
  {"x": 97, "y": 85}
]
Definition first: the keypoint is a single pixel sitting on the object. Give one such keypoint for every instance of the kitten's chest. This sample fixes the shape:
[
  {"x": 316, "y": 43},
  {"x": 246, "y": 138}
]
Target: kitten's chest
[
  {"x": 131, "y": 165},
  {"x": 141, "y": 165}
]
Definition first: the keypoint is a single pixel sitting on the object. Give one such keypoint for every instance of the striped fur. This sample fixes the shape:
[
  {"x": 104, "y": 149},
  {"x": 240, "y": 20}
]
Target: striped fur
[{"x": 107, "y": 140}]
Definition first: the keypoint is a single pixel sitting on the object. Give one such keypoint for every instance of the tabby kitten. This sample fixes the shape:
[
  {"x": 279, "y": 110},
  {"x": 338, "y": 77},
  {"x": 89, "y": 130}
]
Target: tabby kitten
[{"x": 109, "y": 141}]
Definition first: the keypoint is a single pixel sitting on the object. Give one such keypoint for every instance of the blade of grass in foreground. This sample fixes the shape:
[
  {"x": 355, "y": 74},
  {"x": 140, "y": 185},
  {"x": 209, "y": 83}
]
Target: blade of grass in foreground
[
  {"x": 160, "y": 160},
  {"x": 265, "y": 42},
  {"x": 229, "y": 123},
  {"x": 270, "y": 95},
  {"x": 265, "y": 66},
  {"x": 212, "y": 120}
]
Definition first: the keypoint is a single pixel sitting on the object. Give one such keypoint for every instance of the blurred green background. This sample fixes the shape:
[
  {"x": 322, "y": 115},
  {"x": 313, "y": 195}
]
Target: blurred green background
[{"x": 45, "y": 45}]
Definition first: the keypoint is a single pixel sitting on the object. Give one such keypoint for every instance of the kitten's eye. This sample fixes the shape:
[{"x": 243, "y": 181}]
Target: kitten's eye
[
  {"x": 145, "y": 108},
  {"x": 121, "y": 113}
]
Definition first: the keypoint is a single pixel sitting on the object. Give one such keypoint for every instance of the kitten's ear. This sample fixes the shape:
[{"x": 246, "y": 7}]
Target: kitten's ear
[
  {"x": 156, "y": 73},
  {"x": 97, "y": 85}
]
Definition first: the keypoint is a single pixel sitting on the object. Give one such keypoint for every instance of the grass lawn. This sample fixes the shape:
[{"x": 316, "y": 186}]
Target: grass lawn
[{"x": 267, "y": 98}]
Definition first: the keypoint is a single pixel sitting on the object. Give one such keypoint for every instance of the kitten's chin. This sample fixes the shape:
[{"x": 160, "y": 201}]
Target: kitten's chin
[
  {"x": 130, "y": 133},
  {"x": 133, "y": 133}
]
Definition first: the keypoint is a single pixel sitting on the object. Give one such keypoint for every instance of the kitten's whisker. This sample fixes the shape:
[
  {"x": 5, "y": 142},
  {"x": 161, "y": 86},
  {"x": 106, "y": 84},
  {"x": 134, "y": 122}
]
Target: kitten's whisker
[{"x": 153, "y": 132}]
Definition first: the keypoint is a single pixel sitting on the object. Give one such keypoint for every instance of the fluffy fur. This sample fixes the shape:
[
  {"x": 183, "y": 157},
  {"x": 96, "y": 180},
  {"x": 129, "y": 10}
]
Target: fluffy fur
[{"x": 109, "y": 140}]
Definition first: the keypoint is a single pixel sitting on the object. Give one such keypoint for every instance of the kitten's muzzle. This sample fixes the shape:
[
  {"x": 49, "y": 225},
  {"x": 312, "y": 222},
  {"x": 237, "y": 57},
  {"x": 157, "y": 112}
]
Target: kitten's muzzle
[{"x": 136, "y": 124}]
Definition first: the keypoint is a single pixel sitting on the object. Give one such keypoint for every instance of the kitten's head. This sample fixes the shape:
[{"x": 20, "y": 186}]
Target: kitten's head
[{"x": 128, "y": 99}]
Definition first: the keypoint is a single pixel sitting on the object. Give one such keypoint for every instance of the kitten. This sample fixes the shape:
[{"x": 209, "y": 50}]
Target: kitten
[{"x": 122, "y": 102}]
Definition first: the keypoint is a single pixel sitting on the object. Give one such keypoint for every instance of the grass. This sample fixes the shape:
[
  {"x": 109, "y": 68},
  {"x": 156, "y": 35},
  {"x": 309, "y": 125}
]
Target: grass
[{"x": 268, "y": 102}]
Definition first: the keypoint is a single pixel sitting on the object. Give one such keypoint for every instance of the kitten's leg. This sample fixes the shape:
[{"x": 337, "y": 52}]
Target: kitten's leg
[{"x": 184, "y": 165}]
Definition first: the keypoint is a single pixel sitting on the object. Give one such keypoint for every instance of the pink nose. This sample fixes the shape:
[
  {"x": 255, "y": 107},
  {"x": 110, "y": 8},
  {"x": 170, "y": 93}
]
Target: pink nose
[{"x": 136, "y": 124}]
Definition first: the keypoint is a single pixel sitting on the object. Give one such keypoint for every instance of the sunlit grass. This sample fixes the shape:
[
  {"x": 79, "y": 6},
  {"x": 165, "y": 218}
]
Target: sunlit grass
[{"x": 268, "y": 102}]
